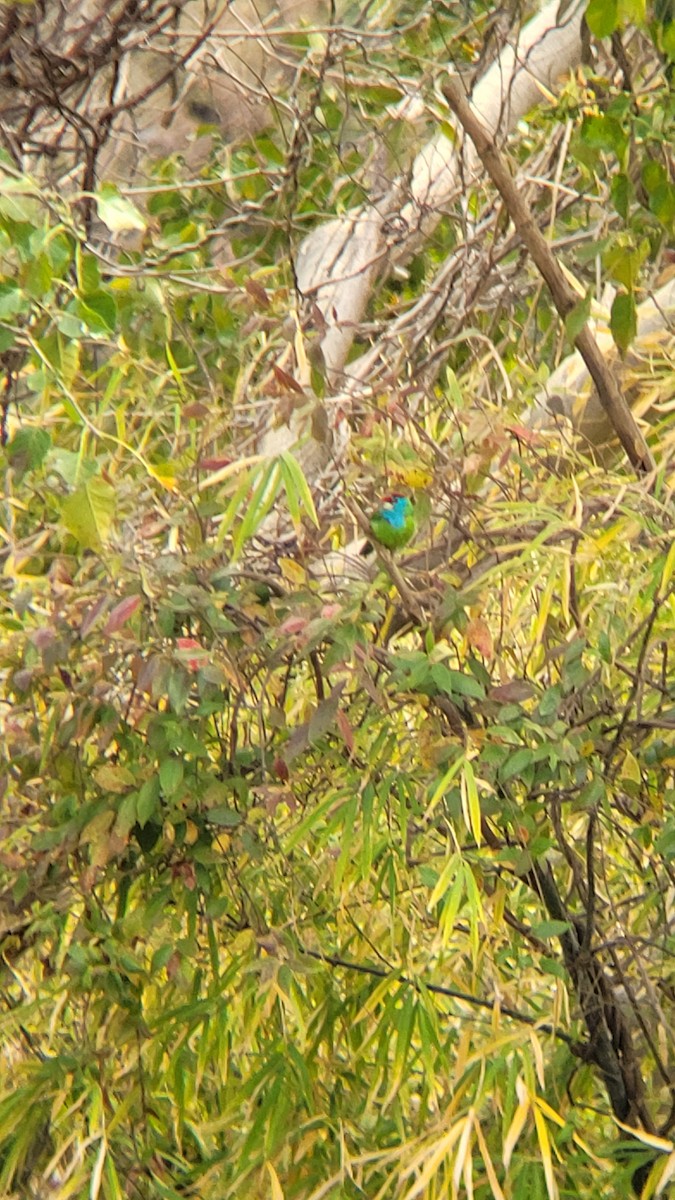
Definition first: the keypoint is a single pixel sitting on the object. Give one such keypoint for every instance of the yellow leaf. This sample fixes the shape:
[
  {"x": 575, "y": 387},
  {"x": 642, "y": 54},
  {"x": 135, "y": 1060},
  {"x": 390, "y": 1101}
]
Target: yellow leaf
[
  {"x": 471, "y": 802},
  {"x": 667, "y": 1174},
  {"x": 292, "y": 570},
  {"x": 668, "y": 568},
  {"x": 276, "y": 1188},
  {"x": 440, "y": 1151},
  {"x": 489, "y": 1166},
  {"x": 447, "y": 876},
  {"x": 649, "y": 1139},
  {"x": 545, "y": 1148},
  {"x": 463, "y": 1150},
  {"x": 163, "y": 475},
  {"x": 549, "y": 1112},
  {"x": 413, "y": 476},
  {"x": 515, "y": 1129},
  {"x": 442, "y": 787}
]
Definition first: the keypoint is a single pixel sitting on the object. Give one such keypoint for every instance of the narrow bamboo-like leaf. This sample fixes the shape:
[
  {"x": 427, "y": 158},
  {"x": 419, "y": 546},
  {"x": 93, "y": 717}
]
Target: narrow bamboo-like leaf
[
  {"x": 259, "y": 505},
  {"x": 442, "y": 786},
  {"x": 514, "y": 1131},
  {"x": 497, "y": 1192},
  {"x": 235, "y": 504},
  {"x": 447, "y": 876},
  {"x": 403, "y": 1021},
  {"x": 471, "y": 802},
  {"x": 276, "y": 1190},
  {"x": 434, "y": 1158},
  {"x": 463, "y": 1150},
  {"x": 545, "y": 1150},
  {"x": 175, "y": 371},
  {"x": 296, "y": 475},
  {"x": 291, "y": 492},
  {"x": 452, "y": 905},
  {"x": 667, "y": 574},
  {"x": 97, "y": 1173}
]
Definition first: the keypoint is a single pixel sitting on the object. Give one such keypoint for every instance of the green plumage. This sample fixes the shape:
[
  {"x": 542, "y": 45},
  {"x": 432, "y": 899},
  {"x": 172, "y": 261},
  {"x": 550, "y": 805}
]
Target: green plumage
[{"x": 393, "y": 524}]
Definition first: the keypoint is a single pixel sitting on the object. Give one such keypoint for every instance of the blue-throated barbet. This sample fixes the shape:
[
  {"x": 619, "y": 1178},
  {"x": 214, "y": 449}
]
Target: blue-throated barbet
[{"x": 394, "y": 522}]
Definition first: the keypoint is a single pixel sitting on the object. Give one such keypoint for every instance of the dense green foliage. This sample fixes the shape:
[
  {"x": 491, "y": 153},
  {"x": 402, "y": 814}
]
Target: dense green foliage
[{"x": 292, "y": 875}]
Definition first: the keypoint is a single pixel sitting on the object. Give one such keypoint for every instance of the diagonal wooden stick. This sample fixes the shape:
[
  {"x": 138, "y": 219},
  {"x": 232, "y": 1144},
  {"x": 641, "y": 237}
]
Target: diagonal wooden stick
[{"x": 564, "y": 298}]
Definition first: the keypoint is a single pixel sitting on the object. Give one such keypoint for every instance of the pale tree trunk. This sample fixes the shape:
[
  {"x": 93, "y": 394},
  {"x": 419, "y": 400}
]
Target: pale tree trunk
[{"x": 339, "y": 262}]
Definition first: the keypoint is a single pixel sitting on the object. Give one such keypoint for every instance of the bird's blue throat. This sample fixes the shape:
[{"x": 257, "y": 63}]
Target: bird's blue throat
[{"x": 395, "y": 512}]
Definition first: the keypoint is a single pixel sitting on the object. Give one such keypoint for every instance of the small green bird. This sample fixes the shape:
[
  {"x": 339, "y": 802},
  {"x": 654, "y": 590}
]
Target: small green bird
[{"x": 393, "y": 524}]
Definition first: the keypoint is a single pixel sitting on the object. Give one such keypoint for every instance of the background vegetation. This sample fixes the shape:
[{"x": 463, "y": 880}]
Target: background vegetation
[{"x": 357, "y": 888}]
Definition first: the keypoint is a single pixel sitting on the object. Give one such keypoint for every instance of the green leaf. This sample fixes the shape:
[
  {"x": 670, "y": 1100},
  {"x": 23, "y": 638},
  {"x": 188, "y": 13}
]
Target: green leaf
[
  {"x": 98, "y": 311},
  {"x": 602, "y": 17},
  {"x": 623, "y": 322},
  {"x": 148, "y": 800},
  {"x": 622, "y": 194},
  {"x": 259, "y": 505},
  {"x": 28, "y": 448},
  {"x": 662, "y": 203},
  {"x": 549, "y": 929},
  {"x": 552, "y": 967},
  {"x": 171, "y": 773},
  {"x": 516, "y": 763},
  {"x": 37, "y": 277},
  {"x": 653, "y": 174},
  {"x": 88, "y": 513},
  {"x": 118, "y": 213},
  {"x": 296, "y": 486},
  {"x": 575, "y": 321},
  {"x": 456, "y": 683},
  {"x": 224, "y": 816},
  {"x": 12, "y": 301}
]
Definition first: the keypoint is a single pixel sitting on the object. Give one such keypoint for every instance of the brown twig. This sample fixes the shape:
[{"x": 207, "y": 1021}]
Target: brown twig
[{"x": 564, "y": 298}]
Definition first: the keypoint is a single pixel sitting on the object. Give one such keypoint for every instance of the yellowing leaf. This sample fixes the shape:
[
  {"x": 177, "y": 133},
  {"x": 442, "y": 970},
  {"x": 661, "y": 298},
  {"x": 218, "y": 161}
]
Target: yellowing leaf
[
  {"x": 471, "y": 802},
  {"x": 489, "y": 1166},
  {"x": 88, "y": 513},
  {"x": 291, "y": 570},
  {"x": 545, "y": 1150},
  {"x": 668, "y": 569},
  {"x": 413, "y": 475},
  {"x": 164, "y": 475},
  {"x": 118, "y": 213},
  {"x": 515, "y": 1129},
  {"x": 275, "y": 1187},
  {"x": 434, "y": 1158},
  {"x": 111, "y": 777},
  {"x": 447, "y": 876}
]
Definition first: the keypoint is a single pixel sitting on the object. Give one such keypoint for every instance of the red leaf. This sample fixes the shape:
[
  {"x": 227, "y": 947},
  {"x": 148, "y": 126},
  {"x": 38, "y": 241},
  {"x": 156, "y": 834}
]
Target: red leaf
[
  {"x": 213, "y": 464},
  {"x": 257, "y": 292},
  {"x": 293, "y": 625},
  {"x": 121, "y": 613},
  {"x": 287, "y": 380},
  {"x": 194, "y": 662},
  {"x": 479, "y": 637},
  {"x": 195, "y": 411},
  {"x": 92, "y": 614},
  {"x": 523, "y": 434},
  {"x": 346, "y": 730},
  {"x": 280, "y": 768}
]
